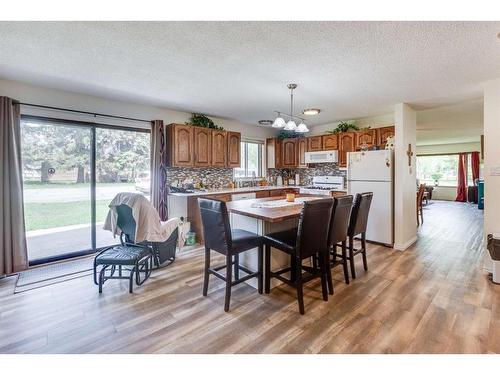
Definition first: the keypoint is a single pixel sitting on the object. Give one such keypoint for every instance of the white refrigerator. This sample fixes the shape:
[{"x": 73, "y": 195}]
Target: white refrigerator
[{"x": 373, "y": 171}]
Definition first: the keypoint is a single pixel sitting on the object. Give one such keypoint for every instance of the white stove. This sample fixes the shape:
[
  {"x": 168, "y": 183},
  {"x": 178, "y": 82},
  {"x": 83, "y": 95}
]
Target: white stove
[{"x": 324, "y": 185}]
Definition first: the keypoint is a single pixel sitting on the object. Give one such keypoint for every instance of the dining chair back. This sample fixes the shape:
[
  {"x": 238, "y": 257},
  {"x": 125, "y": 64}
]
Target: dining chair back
[
  {"x": 221, "y": 238},
  {"x": 314, "y": 225},
  {"x": 339, "y": 224},
  {"x": 357, "y": 226}
]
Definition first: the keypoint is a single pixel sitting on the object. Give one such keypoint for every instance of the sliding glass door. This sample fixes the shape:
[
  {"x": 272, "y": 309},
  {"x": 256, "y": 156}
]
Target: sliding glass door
[
  {"x": 122, "y": 165},
  {"x": 71, "y": 172}
]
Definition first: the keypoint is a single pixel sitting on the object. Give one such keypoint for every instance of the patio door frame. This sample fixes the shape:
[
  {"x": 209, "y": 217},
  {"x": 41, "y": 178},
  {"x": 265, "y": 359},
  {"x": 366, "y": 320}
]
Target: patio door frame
[{"x": 93, "y": 178}]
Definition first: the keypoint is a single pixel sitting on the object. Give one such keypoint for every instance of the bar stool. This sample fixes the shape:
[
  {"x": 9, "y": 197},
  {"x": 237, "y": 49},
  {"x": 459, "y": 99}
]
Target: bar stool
[
  {"x": 337, "y": 236},
  {"x": 310, "y": 239},
  {"x": 357, "y": 226},
  {"x": 220, "y": 238}
]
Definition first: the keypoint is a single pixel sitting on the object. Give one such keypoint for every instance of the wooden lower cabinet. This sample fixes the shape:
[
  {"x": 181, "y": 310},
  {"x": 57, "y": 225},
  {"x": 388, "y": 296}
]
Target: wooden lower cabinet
[
  {"x": 262, "y": 194},
  {"x": 338, "y": 193},
  {"x": 277, "y": 193},
  {"x": 346, "y": 144}
]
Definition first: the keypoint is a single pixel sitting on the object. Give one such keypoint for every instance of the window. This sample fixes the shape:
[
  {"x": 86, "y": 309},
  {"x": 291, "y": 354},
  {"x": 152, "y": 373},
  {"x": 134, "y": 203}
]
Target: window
[
  {"x": 71, "y": 171},
  {"x": 251, "y": 160},
  {"x": 441, "y": 168}
]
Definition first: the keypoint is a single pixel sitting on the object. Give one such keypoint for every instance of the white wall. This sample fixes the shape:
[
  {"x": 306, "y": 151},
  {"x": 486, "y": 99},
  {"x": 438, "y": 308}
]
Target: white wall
[
  {"x": 43, "y": 96},
  {"x": 449, "y": 148},
  {"x": 372, "y": 122},
  {"x": 491, "y": 160},
  {"x": 405, "y": 222}
]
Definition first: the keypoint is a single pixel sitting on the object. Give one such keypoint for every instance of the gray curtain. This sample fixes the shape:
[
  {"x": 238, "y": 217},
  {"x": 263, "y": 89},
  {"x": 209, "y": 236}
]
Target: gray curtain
[
  {"x": 158, "y": 168},
  {"x": 13, "y": 253}
]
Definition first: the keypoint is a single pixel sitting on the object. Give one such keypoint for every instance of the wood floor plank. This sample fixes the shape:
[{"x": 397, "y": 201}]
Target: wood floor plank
[{"x": 432, "y": 298}]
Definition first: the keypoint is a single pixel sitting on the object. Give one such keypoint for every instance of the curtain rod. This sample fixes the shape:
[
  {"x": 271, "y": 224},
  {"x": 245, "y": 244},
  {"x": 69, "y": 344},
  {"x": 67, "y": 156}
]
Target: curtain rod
[{"x": 84, "y": 112}]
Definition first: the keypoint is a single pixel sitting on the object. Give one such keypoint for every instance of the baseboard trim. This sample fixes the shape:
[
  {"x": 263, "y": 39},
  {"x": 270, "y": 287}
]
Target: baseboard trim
[{"x": 406, "y": 245}]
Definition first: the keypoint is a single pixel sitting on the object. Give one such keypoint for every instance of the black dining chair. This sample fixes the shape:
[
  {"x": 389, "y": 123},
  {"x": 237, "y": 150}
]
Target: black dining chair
[
  {"x": 337, "y": 236},
  {"x": 357, "y": 226},
  {"x": 221, "y": 238},
  {"x": 310, "y": 239}
]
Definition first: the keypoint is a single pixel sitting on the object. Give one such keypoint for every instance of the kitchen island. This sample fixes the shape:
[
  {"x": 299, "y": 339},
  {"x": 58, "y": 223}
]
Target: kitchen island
[
  {"x": 186, "y": 204},
  {"x": 264, "y": 216}
]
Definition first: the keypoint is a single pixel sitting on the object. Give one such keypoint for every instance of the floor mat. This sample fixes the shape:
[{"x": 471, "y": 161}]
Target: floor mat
[{"x": 53, "y": 273}]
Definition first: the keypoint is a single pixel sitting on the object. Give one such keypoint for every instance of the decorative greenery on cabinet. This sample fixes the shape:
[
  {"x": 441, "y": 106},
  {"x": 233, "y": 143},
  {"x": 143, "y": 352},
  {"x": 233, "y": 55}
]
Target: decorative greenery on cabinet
[
  {"x": 202, "y": 121},
  {"x": 343, "y": 127},
  {"x": 285, "y": 134}
]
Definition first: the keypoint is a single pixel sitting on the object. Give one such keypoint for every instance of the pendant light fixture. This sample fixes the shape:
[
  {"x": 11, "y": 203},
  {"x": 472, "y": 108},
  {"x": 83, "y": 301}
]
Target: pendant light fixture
[{"x": 279, "y": 122}]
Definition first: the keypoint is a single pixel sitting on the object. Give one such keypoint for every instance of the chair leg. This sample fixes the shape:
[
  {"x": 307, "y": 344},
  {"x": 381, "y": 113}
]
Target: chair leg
[
  {"x": 236, "y": 266},
  {"x": 328, "y": 272},
  {"x": 259, "y": 268},
  {"x": 351, "y": 256},
  {"x": 418, "y": 222},
  {"x": 299, "y": 286},
  {"x": 131, "y": 280},
  {"x": 229, "y": 280},
  {"x": 101, "y": 278},
  {"x": 363, "y": 253},
  {"x": 344, "y": 262},
  {"x": 206, "y": 274},
  {"x": 422, "y": 214},
  {"x": 293, "y": 269},
  {"x": 322, "y": 270},
  {"x": 267, "y": 273}
]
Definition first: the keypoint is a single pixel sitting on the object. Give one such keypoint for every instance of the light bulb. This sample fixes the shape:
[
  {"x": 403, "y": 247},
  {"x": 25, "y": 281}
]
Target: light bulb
[{"x": 279, "y": 122}]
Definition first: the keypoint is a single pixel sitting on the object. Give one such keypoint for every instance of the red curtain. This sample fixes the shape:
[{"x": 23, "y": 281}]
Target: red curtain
[
  {"x": 474, "y": 163},
  {"x": 462, "y": 178}
]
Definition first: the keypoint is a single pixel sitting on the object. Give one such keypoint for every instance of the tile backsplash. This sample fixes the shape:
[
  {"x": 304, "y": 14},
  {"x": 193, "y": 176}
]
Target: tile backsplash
[
  {"x": 214, "y": 178},
  {"x": 306, "y": 174}
]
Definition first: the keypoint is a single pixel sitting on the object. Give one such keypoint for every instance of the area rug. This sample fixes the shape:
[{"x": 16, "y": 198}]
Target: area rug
[{"x": 53, "y": 273}]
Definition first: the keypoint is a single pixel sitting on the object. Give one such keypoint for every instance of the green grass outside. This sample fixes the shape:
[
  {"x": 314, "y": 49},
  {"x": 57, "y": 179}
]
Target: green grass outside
[
  {"x": 59, "y": 214},
  {"x": 52, "y": 185}
]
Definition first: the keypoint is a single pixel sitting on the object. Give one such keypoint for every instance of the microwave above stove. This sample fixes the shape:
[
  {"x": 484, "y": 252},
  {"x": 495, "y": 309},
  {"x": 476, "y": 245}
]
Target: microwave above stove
[{"x": 322, "y": 157}]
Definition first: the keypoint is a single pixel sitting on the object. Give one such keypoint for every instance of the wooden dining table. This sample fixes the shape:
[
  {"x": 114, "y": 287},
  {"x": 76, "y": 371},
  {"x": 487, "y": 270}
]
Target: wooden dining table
[{"x": 264, "y": 216}]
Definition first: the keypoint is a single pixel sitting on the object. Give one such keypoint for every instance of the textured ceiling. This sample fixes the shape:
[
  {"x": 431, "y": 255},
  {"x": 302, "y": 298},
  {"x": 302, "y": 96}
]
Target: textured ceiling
[
  {"x": 240, "y": 70},
  {"x": 456, "y": 123}
]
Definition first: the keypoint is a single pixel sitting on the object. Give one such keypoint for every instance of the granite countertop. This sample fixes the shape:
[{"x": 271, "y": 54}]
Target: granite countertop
[{"x": 233, "y": 191}]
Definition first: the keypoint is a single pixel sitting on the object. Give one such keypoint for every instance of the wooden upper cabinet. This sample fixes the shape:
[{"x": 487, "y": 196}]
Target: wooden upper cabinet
[
  {"x": 383, "y": 134},
  {"x": 181, "y": 145},
  {"x": 346, "y": 144},
  {"x": 202, "y": 147},
  {"x": 330, "y": 142},
  {"x": 289, "y": 153},
  {"x": 315, "y": 143},
  {"x": 233, "y": 149},
  {"x": 273, "y": 153},
  {"x": 366, "y": 137},
  {"x": 219, "y": 148},
  {"x": 301, "y": 151}
]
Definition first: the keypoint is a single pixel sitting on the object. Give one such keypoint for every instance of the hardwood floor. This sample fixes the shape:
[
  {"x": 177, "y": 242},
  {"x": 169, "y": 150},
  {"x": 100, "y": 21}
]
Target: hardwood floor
[{"x": 432, "y": 298}]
